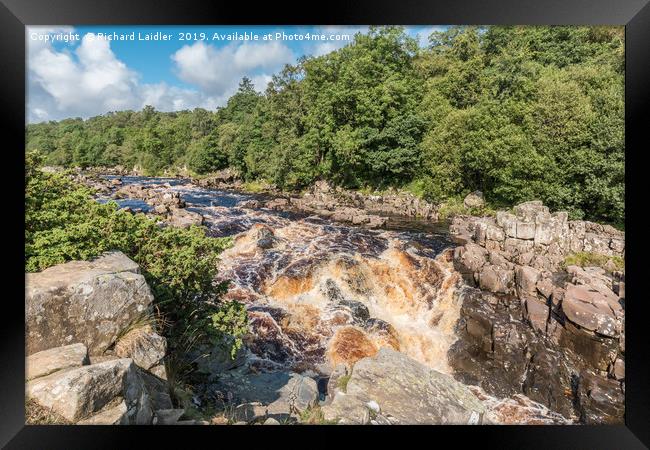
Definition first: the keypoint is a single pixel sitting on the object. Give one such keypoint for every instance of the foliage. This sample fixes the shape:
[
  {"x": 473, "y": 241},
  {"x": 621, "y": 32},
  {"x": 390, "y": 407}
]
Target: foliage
[
  {"x": 231, "y": 321},
  {"x": 518, "y": 112},
  {"x": 63, "y": 223},
  {"x": 255, "y": 187},
  {"x": 454, "y": 206}
]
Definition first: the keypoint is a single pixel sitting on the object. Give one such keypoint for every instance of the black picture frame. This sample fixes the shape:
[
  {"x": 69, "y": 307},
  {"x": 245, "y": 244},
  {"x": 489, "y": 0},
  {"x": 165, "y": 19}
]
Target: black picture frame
[{"x": 634, "y": 14}]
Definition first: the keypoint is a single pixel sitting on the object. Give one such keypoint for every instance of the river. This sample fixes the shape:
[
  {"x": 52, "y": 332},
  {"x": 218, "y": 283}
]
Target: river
[{"x": 321, "y": 293}]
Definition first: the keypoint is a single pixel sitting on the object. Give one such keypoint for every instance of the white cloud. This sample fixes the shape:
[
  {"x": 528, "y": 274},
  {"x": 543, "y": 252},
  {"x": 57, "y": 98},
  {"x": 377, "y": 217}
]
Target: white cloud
[
  {"x": 261, "y": 81},
  {"x": 88, "y": 81},
  {"x": 218, "y": 71},
  {"x": 269, "y": 55},
  {"x": 91, "y": 80}
]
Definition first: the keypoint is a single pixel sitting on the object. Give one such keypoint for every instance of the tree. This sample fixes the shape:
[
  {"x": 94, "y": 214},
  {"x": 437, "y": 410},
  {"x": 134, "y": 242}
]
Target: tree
[{"x": 518, "y": 112}]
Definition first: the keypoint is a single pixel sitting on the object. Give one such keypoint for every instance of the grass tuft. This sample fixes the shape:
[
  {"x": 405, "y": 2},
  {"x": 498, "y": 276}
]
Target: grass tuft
[
  {"x": 314, "y": 416},
  {"x": 454, "y": 207},
  {"x": 35, "y": 414},
  {"x": 589, "y": 259},
  {"x": 342, "y": 382}
]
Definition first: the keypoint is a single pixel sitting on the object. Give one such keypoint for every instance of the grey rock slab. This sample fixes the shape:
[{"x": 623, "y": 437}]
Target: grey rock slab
[
  {"x": 143, "y": 345},
  {"x": 52, "y": 360},
  {"x": 167, "y": 416},
  {"x": 84, "y": 301},
  {"x": 406, "y": 390},
  {"x": 108, "y": 416},
  {"x": 80, "y": 392}
]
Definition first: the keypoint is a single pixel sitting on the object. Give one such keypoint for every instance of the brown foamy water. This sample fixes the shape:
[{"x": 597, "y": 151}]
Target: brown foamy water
[
  {"x": 323, "y": 294},
  {"x": 320, "y": 293}
]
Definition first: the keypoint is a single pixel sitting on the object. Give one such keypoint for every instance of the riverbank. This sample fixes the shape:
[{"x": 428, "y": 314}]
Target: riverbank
[
  {"x": 528, "y": 247},
  {"x": 322, "y": 295},
  {"x": 389, "y": 209}
]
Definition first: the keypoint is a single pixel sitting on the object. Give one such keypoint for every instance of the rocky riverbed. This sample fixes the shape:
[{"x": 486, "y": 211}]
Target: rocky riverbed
[{"x": 371, "y": 316}]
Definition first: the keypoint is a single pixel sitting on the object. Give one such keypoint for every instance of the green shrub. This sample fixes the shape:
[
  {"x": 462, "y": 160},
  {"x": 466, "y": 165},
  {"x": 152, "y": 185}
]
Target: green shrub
[{"x": 255, "y": 187}]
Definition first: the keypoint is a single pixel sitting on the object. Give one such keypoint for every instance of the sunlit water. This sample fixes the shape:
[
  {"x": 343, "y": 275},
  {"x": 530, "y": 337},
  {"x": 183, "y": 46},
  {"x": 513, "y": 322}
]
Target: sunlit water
[{"x": 322, "y": 293}]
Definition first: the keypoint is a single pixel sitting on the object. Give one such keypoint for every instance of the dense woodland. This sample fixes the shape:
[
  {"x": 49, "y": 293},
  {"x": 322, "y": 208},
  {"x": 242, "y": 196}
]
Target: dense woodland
[{"x": 519, "y": 113}]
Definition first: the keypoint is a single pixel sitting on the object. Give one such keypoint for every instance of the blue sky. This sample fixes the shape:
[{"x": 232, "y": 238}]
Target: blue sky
[{"x": 79, "y": 72}]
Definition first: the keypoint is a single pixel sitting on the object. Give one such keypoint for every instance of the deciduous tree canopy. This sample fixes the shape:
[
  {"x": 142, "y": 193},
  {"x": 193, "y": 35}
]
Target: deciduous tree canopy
[{"x": 519, "y": 113}]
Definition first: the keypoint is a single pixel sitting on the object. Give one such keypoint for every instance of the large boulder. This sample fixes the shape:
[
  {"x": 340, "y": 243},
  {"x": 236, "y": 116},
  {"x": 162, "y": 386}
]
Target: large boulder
[
  {"x": 89, "y": 302},
  {"x": 81, "y": 392},
  {"x": 405, "y": 390},
  {"x": 277, "y": 394},
  {"x": 592, "y": 310}
]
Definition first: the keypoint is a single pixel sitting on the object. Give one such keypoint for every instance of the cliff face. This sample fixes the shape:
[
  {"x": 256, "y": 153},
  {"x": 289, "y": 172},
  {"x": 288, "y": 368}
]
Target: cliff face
[{"x": 531, "y": 324}]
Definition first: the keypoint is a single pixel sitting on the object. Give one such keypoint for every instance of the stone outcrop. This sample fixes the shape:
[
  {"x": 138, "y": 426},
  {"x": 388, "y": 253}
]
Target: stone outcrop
[
  {"x": 279, "y": 395},
  {"x": 144, "y": 346},
  {"x": 84, "y": 301},
  {"x": 502, "y": 353},
  {"x": 394, "y": 388},
  {"x": 164, "y": 204},
  {"x": 223, "y": 179},
  {"x": 354, "y": 207},
  {"x": 534, "y": 325},
  {"x": 89, "y": 360},
  {"x": 52, "y": 360},
  {"x": 84, "y": 391},
  {"x": 533, "y": 236}
]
